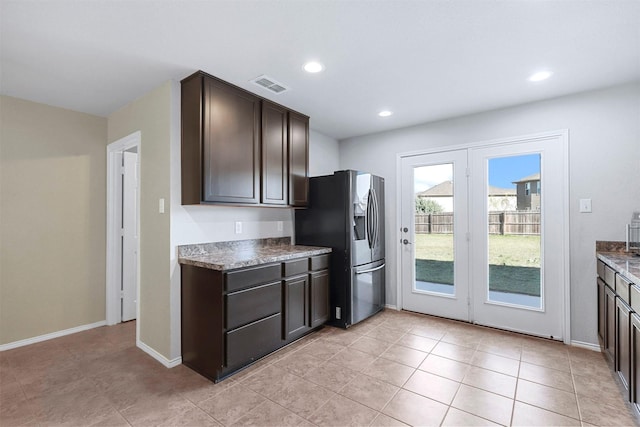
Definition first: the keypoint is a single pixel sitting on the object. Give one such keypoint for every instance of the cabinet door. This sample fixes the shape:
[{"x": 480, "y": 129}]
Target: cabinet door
[
  {"x": 635, "y": 360},
  {"x": 601, "y": 310},
  {"x": 231, "y": 144},
  {"x": 274, "y": 154},
  {"x": 319, "y": 297},
  {"x": 610, "y": 323},
  {"x": 623, "y": 352},
  {"x": 296, "y": 314},
  {"x": 298, "y": 159}
]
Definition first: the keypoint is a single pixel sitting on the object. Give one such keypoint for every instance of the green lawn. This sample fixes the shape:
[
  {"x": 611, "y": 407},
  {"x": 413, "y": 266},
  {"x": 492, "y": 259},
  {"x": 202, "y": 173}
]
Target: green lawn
[{"x": 514, "y": 262}]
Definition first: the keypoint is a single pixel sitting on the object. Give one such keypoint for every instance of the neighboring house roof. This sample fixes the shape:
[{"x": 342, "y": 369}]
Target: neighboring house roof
[
  {"x": 534, "y": 177},
  {"x": 445, "y": 189}
]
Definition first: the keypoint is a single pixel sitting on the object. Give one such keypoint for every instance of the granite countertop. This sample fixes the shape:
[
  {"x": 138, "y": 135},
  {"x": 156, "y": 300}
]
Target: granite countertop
[
  {"x": 244, "y": 253},
  {"x": 624, "y": 263}
]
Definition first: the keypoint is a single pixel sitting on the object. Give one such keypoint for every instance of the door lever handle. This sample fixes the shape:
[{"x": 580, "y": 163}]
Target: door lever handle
[{"x": 406, "y": 242}]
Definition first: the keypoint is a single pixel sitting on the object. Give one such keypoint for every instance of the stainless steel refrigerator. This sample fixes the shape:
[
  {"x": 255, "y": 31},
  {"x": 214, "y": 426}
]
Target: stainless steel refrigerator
[{"x": 346, "y": 213}]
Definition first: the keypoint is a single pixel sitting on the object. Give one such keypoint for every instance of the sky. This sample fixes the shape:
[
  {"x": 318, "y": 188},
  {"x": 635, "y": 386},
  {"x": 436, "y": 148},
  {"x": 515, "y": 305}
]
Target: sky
[{"x": 502, "y": 172}]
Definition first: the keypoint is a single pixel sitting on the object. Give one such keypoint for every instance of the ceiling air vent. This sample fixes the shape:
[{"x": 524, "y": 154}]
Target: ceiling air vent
[{"x": 269, "y": 84}]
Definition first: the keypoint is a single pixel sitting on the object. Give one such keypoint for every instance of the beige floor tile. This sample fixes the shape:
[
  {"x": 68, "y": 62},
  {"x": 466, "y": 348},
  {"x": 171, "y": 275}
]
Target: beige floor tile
[
  {"x": 76, "y": 409},
  {"x": 353, "y": 359},
  {"x": 341, "y": 411},
  {"x": 433, "y": 332},
  {"x": 495, "y": 382},
  {"x": 369, "y": 391},
  {"x": 527, "y": 415},
  {"x": 596, "y": 369},
  {"x": 432, "y": 386},
  {"x": 370, "y": 345},
  {"x": 417, "y": 342},
  {"x": 383, "y": 420},
  {"x": 302, "y": 397},
  {"x": 405, "y": 355},
  {"x": 596, "y": 413},
  {"x": 271, "y": 414},
  {"x": 299, "y": 363},
  {"x": 342, "y": 337},
  {"x": 322, "y": 349},
  {"x": 483, "y": 404},
  {"x": 546, "y": 376},
  {"x": 493, "y": 362},
  {"x": 548, "y": 361},
  {"x": 552, "y": 399},
  {"x": 391, "y": 372},
  {"x": 167, "y": 410},
  {"x": 457, "y": 418},
  {"x": 268, "y": 381},
  {"x": 233, "y": 404},
  {"x": 444, "y": 367},
  {"x": 502, "y": 349},
  {"x": 207, "y": 390},
  {"x": 597, "y": 387},
  {"x": 385, "y": 334},
  {"x": 462, "y": 337},
  {"x": 415, "y": 410},
  {"x": 454, "y": 352},
  {"x": 331, "y": 376}
]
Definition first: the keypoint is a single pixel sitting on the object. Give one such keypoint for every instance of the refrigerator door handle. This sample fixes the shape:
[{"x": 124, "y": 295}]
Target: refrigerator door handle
[
  {"x": 369, "y": 219},
  {"x": 371, "y": 269},
  {"x": 376, "y": 218}
]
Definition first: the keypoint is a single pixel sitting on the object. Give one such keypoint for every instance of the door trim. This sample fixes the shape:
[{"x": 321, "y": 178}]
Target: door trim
[
  {"x": 113, "y": 264},
  {"x": 563, "y": 136}
]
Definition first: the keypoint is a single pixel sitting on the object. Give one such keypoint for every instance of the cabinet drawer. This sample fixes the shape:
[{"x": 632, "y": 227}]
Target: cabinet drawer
[
  {"x": 252, "y": 304},
  {"x": 296, "y": 266},
  {"x": 622, "y": 288},
  {"x": 253, "y": 341},
  {"x": 610, "y": 277},
  {"x": 600, "y": 268},
  {"x": 246, "y": 277},
  {"x": 319, "y": 262}
]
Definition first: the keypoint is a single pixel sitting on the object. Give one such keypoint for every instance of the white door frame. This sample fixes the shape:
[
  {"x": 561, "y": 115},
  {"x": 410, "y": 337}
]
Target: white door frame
[
  {"x": 563, "y": 136},
  {"x": 114, "y": 196}
]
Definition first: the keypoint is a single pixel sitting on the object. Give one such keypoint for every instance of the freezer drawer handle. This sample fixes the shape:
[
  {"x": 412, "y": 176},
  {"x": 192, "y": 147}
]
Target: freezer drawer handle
[{"x": 370, "y": 270}]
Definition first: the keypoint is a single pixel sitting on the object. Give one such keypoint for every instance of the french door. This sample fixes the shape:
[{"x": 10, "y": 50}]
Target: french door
[{"x": 483, "y": 235}]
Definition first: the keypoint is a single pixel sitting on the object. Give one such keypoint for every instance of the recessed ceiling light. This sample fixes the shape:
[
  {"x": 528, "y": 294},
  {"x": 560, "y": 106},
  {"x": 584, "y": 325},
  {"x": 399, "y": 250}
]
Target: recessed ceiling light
[
  {"x": 385, "y": 113},
  {"x": 313, "y": 67},
  {"x": 539, "y": 76}
]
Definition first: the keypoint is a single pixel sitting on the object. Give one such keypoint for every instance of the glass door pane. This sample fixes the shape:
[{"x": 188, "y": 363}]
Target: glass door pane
[
  {"x": 434, "y": 243},
  {"x": 514, "y": 247}
]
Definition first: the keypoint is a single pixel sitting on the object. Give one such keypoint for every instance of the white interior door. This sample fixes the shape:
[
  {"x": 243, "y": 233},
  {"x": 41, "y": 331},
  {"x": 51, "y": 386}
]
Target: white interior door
[
  {"x": 435, "y": 255},
  {"x": 518, "y": 266},
  {"x": 129, "y": 236}
]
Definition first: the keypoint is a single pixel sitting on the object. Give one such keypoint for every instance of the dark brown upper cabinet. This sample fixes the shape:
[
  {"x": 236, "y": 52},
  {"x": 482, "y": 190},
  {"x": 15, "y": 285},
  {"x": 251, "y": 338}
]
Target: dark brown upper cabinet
[
  {"x": 298, "y": 159},
  {"x": 275, "y": 185},
  {"x": 238, "y": 148}
]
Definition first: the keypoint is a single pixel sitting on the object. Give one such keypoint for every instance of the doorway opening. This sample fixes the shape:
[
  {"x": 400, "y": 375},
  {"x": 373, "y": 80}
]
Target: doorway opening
[{"x": 123, "y": 224}]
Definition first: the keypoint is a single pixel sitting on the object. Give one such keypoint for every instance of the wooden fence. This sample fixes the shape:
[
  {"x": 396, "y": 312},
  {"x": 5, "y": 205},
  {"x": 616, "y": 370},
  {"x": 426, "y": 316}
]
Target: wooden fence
[{"x": 513, "y": 222}]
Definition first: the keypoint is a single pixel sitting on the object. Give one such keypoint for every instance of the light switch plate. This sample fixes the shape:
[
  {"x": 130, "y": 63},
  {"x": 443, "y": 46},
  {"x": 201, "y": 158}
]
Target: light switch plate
[
  {"x": 238, "y": 227},
  {"x": 161, "y": 206},
  {"x": 585, "y": 205},
  {"x": 280, "y": 225}
]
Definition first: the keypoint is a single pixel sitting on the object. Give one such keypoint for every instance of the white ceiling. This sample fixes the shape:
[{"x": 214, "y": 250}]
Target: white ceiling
[{"x": 425, "y": 60}]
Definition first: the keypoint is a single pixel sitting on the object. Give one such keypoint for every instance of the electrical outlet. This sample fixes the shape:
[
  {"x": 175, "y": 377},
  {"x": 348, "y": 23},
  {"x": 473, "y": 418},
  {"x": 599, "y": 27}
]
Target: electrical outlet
[
  {"x": 161, "y": 206},
  {"x": 238, "y": 227},
  {"x": 585, "y": 205}
]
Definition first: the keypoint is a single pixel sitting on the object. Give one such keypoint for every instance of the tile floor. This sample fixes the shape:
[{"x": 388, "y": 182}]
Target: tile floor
[{"x": 394, "y": 369}]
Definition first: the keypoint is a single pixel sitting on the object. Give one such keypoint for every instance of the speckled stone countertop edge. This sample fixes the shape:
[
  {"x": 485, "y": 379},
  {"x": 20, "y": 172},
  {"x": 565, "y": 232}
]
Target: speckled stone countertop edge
[
  {"x": 624, "y": 263},
  {"x": 225, "y": 256}
]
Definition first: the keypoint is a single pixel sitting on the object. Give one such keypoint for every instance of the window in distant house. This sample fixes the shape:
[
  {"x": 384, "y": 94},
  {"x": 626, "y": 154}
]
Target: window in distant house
[
  {"x": 538, "y": 187},
  {"x": 527, "y": 188}
]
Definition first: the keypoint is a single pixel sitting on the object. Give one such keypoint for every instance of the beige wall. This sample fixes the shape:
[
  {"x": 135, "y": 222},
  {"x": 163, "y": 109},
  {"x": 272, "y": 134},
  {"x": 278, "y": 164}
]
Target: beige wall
[
  {"x": 52, "y": 219},
  {"x": 151, "y": 115}
]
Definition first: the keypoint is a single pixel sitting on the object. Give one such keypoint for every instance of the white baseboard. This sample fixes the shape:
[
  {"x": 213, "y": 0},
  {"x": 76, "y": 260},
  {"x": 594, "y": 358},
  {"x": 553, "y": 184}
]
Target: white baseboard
[
  {"x": 392, "y": 307},
  {"x": 159, "y": 357},
  {"x": 51, "y": 336},
  {"x": 587, "y": 345}
]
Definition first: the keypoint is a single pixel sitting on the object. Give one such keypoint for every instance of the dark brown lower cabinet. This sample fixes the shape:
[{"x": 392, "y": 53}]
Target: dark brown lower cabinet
[
  {"x": 232, "y": 318},
  {"x": 623, "y": 340},
  {"x": 635, "y": 360},
  {"x": 296, "y": 316},
  {"x": 610, "y": 329},
  {"x": 319, "y": 283}
]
